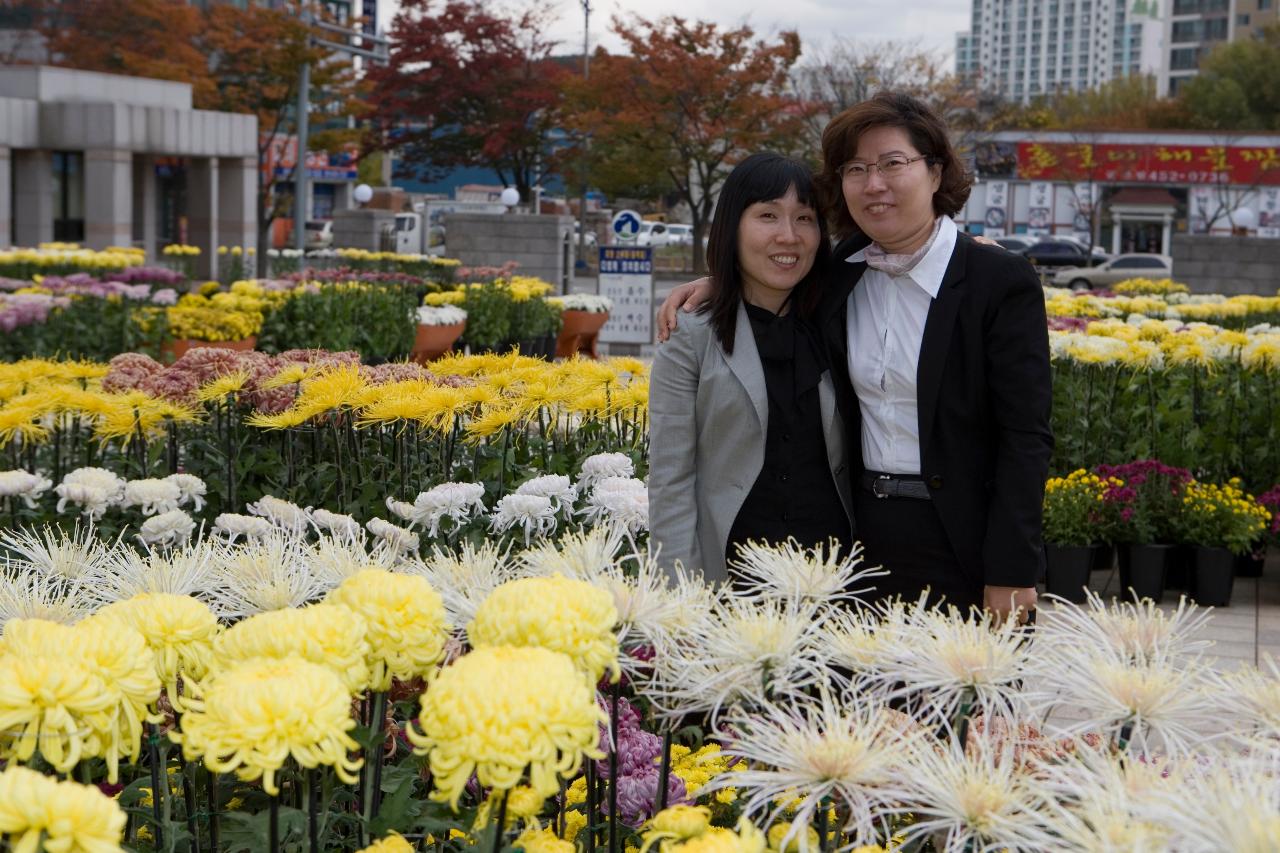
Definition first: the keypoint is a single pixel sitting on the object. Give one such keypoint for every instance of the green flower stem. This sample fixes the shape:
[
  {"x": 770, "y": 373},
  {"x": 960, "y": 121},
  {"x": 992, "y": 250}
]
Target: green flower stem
[
  {"x": 615, "y": 694},
  {"x": 213, "y": 811},
  {"x": 370, "y": 775},
  {"x": 823, "y": 808},
  {"x": 664, "y": 770},
  {"x": 273, "y": 825},
  {"x": 502, "y": 819},
  {"x": 313, "y": 808},
  {"x": 153, "y": 754}
]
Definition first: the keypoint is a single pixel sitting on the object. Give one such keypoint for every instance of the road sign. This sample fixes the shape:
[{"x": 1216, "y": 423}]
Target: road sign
[
  {"x": 626, "y": 277},
  {"x": 626, "y": 226}
]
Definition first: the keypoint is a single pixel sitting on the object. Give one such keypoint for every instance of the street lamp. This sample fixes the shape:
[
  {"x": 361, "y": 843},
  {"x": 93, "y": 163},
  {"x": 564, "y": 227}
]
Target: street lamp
[
  {"x": 363, "y": 194},
  {"x": 510, "y": 197}
]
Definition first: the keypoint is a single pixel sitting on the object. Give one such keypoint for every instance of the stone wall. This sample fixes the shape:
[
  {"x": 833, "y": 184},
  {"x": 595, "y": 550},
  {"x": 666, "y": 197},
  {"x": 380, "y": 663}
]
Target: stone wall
[
  {"x": 541, "y": 245},
  {"x": 1229, "y": 265}
]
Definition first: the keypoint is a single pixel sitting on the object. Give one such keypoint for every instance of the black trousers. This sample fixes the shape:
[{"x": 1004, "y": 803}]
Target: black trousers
[{"x": 906, "y": 537}]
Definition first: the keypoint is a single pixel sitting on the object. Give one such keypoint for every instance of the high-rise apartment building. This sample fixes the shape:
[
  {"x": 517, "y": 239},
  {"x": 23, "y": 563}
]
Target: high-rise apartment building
[{"x": 1024, "y": 49}]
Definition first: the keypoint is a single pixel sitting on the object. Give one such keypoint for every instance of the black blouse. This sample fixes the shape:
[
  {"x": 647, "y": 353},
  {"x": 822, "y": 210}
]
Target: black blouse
[{"x": 795, "y": 495}]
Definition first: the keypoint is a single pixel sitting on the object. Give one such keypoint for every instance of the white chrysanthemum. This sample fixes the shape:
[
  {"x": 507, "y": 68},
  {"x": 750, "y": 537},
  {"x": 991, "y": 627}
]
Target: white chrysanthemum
[
  {"x": 1095, "y": 802},
  {"x": 557, "y": 487},
  {"x": 281, "y": 513},
  {"x": 601, "y": 465},
  {"x": 336, "y": 524},
  {"x": 466, "y": 578},
  {"x": 1252, "y": 696},
  {"x": 233, "y": 526},
  {"x": 456, "y": 502},
  {"x": 584, "y": 555},
  {"x": 1160, "y": 704},
  {"x": 173, "y": 571},
  {"x": 168, "y": 528},
  {"x": 401, "y": 509},
  {"x": 22, "y": 484},
  {"x": 153, "y": 495},
  {"x": 191, "y": 488},
  {"x": 825, "y": 753},
  {"x": 336, "y": 558},
  {"x": 1131, "y": 629},
  {"x": 534, "y": 514},
  {"x": 953, "y": 666},
  {"x": 397, "y": 539},
  {"x": 28, "y": 595},
  {"x": 975, "y": 798},
  {"x": 53, "y": 553},
  {"x": 1232, "y": 806},
  {"x": 623, "y": 501},
  {"x": 271, "y": 573},
  {"x": 95, "y": 490},
  {"x": 793, "y": 573},
  {"x": 862, "y": 641},
  {"x": 745, "y": 651}
]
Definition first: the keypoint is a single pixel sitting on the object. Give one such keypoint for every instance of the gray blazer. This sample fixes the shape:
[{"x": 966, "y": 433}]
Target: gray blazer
[{"x": 709, "y": 414}]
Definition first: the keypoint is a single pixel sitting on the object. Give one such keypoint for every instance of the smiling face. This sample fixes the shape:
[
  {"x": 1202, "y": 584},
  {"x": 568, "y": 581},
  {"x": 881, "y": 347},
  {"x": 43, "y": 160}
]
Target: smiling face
[
  {"x": 777, "y": 244},
  {"x": 896, "y": 212}
]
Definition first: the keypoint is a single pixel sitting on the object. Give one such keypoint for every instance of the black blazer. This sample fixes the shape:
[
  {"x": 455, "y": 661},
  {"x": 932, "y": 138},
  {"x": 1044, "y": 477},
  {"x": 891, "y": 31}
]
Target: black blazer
[{"x": 984, "y": 394}]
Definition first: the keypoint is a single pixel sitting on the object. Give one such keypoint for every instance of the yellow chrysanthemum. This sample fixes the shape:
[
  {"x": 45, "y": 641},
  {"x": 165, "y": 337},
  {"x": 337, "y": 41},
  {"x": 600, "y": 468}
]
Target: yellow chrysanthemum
[
  {"x": 406, "y": 620},
  {"x": 119, "y": 654},
  {"x": 255, "y": 715},
  {"x": 53, "y": 705},
  {"x": 223, "y": 386},
  {"x": 39, "y": 813},
  {"x": 564, "y": 615},
  {"x": 543, "y": 720},
  {"x": 324, "y": 634},
  {"x": 179, "y": 631},
  {"x": 779, "y": 831},
  {"x": 543, "y": 841},
  {"x": 393, "y": 843}
]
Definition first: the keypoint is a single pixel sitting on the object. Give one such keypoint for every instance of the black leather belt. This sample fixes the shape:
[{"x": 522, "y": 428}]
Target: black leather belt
[{"x": 895, "y": 486}]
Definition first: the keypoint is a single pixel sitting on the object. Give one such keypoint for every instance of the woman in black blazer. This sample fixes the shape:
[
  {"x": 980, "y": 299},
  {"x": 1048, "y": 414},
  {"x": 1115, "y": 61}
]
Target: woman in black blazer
[{"x": 947, "y": 391}]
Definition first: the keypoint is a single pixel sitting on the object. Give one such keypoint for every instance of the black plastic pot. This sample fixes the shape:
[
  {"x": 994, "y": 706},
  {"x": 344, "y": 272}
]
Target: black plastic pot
[
  {"x": 1251, "y": 563},
  {"x": 1142, "y": 571},
  {"x": 1181, "y": 564},
  {"x": 1068, "y": 570},
  {"x": 1104, "y": 557},
  {"x": 1214, "y": 577}
]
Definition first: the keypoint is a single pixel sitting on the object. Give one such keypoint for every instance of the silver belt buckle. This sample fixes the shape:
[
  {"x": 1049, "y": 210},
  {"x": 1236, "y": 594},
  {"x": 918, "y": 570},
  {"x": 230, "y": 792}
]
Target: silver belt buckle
[{"x": 879, "y": 495}]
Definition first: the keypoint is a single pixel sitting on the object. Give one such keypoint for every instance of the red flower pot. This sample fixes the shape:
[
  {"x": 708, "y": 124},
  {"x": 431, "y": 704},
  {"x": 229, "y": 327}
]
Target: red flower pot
[
  {"x": 580, "y": 332},
  {"x": 434, "y": 341}
]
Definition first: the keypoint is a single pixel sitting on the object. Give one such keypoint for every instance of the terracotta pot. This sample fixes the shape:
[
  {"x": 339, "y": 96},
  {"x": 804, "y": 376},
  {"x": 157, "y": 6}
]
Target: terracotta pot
[
  {"x": 178, "y": 348},
  {"x": 580, "y": 332},
  {"x": 434, "y": 341}
]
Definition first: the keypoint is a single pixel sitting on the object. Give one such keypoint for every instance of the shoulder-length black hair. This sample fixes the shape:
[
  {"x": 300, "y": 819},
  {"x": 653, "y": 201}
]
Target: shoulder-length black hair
[{"x": 760, "y": 177}]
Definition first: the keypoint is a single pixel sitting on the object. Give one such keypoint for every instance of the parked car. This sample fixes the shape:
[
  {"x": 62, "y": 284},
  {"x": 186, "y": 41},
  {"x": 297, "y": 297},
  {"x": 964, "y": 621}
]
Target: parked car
[
  {"x": 319, "y": 234},
  {"x": 1017, "y": 243},
  {"x": 1098, "y": 252},
  {"x": 1117, "y": 269},
  {"x": 1057, "y": 253},
  {"x": 679, "y": 234},
  {"x": 591, "y": 239},
  {"x": 652, "y": 234}
]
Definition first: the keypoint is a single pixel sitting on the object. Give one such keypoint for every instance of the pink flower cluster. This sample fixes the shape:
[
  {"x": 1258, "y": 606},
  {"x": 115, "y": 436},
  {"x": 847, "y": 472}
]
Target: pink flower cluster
[
  {"x": 639, "y": 754},
  {"x": 485, "y": 273},
  {"x": 343, "y": 274},
  {"x": 27, "y": 309},
  {"x": 83, "y": 284},
  {"x": 1271, "y": 500},
  {"x": 1137, "y": 473},
  {"x": 1068, "y": 324},
  {"x": 198, "y": 366},
  {"x": 148, "y": 275}
]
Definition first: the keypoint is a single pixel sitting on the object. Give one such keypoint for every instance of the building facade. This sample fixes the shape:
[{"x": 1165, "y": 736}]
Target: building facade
[
  {"x": 107, "y": 160},
  {"x": 1126, "y": 191}
]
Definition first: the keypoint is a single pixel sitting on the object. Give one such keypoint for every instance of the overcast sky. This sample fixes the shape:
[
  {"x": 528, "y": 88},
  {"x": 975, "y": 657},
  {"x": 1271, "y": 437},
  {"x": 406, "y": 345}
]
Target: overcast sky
[{"x": 931, "y": 23}]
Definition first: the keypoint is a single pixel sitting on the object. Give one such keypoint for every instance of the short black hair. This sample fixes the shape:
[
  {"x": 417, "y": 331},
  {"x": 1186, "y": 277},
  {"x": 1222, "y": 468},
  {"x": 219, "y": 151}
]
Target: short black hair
[{"x": 761, "y": 177}]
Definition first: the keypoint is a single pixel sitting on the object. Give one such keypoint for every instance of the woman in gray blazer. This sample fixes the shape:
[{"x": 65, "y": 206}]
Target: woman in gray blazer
[{"x": 746, "y": 442}]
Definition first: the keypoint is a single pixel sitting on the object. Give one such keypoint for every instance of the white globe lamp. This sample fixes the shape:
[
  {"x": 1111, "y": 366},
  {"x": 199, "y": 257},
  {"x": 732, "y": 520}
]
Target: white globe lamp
[
  {"x": 363, "y": 194},
  {"x": 510, "y": 197},
  {"x": 1245, "y": 218}
]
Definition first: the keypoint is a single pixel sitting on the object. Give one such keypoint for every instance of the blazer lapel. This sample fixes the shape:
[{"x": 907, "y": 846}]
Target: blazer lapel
[
  {"x": 936, "y": 341},
  {"x": 745, "y": 364},
  {"x": 827, "y": 405}
]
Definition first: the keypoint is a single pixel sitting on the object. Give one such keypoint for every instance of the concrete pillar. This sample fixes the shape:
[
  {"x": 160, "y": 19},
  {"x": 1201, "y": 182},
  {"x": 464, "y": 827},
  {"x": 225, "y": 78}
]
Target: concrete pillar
[
  {"x": 1117, "y": 225},
  {"x": 1166, "y": 234},
  {"x": 146, "y": 206},
  {"x": 6, "y": 197},
  {"x": 202, "y": 212},
  {"x": 108, "y": 198},
  {"x": 32, "y": 197},
  {"x": 342, "y": 198},
  {"x": 238, "y": 201}
]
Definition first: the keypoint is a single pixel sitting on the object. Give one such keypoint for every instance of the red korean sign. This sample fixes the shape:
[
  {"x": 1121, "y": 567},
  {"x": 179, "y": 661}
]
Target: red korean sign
[{"x": 1152, "y": 164}]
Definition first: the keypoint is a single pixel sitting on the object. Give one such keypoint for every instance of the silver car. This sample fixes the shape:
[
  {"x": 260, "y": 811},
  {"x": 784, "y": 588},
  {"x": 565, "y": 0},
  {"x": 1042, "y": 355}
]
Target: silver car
[{"x": 1115, "y": 270}]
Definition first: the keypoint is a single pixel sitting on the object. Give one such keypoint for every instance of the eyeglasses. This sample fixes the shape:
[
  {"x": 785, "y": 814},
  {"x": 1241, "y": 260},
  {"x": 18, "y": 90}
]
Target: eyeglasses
[{"x": 890, "y": 166}]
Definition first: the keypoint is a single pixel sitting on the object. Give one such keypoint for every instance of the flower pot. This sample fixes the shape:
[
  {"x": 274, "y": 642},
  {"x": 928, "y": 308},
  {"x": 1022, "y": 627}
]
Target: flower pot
[
  {"x": 1213, "y": 577},
  {"x": 1142, "y": 570},
  {"x": 176, "y": 349},
  {"x": 580, "y": 332},
  {"x": 1181, "y": 564},
  {"x": 1068, "y": 570},
  {"x": 434, "y": 341},
  {"x": 1251, "y": 563},
  {"x": 1104, "y": 557}
]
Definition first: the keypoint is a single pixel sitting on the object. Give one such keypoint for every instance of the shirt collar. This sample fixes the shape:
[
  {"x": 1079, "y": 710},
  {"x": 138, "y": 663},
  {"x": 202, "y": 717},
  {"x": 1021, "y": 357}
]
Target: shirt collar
[{"x": 933, "y": 266}]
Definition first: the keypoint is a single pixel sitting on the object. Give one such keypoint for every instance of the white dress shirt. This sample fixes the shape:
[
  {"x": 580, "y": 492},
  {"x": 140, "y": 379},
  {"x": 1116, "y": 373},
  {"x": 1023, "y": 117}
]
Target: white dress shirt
[{"x": 885, "y": 327}]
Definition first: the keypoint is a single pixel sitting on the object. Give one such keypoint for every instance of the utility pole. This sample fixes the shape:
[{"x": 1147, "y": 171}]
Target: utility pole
[{"x": 586, "y": 75}]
